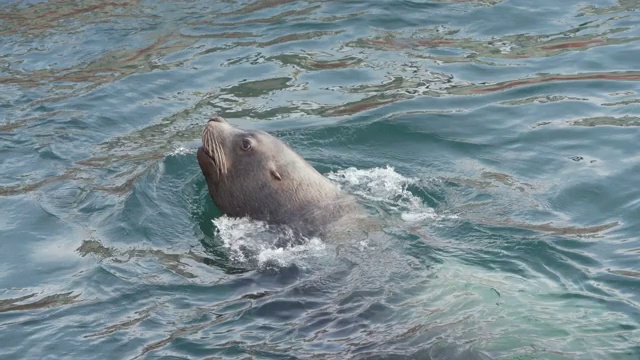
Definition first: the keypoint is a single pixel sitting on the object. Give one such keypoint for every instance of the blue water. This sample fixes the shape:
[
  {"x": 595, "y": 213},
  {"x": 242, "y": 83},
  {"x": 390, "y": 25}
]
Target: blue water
[{"x": 497, "y": 142}]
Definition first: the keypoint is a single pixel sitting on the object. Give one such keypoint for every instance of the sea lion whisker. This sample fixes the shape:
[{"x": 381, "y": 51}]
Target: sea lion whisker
[
  {"x": 219, "y": 152},
  {"x": 213, "y": 147},
  {"x": 205, "y": 140}
]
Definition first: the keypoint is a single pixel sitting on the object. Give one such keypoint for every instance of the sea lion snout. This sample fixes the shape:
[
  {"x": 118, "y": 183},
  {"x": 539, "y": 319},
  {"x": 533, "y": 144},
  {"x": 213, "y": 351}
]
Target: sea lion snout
[
  {"x": 217, "y": 119},
  {"x": 216, "y": 123}
]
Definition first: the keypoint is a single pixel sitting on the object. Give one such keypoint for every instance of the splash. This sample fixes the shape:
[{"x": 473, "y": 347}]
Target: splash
[
  {"x": 256, "y": 244},
  {"x": 385, "y": 187},
  {"x": 181, "y": 150}
]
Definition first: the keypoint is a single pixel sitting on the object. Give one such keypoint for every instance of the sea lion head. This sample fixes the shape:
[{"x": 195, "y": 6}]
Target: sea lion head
[
  {"x": 229, "y": 153},
  {"x": 252, "y": 173}
]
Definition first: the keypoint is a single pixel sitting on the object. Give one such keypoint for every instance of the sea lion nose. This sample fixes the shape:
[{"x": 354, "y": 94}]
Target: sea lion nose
[{"x": 217, "y": 119}]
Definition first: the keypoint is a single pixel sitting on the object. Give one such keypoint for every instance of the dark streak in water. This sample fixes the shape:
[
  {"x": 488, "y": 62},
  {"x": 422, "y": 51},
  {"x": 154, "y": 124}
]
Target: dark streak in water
[
  {"x": 362, "y": 105},
  {"x": 125, "y": 187},
  {"x": 520, "y": 46},
  {"x": 259, "y": 87},
  {"x": 571, "y": 44},
  {"x": 298, "y": 36},
  {"x": 563, "y": 230},
  {"x": 144, "y": 314},
  {"x": 607, "y": 76},
  {"x": 25, "y": 188},
  {"x": 623, "y": 121},
  {"x": 187, "y": 330},
  {"x": 45, "y": 16},
  {"x": 73, "y": 174},
  {"x": 175, "y": 262},
  {"x": 620, "y": 7},
  {"x": 49, "y": 301},
  {"x": 270, "y": 20},
  {"x": 257, "y": 6},
  {"x": 307, "y": 62},
  {"x": 628, "y": 273},
  {"x": 543, "y": 99},
  {"x": 623, "y": 103}
]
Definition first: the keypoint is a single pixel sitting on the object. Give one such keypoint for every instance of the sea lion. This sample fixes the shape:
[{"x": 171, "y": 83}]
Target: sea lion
[{"x": 251, "y": 173}]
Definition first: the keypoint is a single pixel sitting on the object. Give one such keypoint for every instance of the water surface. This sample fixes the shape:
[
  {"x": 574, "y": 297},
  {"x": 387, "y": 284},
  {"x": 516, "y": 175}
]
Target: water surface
[{"x": 496, "y": 141}]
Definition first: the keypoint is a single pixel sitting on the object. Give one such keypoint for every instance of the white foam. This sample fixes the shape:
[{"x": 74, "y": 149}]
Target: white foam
[
  {"x": 181, "y": 150},
  {"x": 284, "y": 256},
  {"x": 252, "y": 242},
  {"x": 385, "y": 186}
]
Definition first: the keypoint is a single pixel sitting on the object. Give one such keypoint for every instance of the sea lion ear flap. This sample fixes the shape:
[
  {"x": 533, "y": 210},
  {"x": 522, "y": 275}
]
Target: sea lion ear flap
[
  {"x": 272, "y": 170},
  {"x": 275, "y": 174}
]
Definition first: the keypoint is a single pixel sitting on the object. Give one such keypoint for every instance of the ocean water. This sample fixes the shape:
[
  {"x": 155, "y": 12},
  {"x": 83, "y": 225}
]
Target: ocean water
[{"x": 497, "y": 142}]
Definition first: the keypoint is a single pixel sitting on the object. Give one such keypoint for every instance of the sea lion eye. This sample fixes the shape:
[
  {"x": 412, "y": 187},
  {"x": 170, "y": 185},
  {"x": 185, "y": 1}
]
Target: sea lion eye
[{"x": 246, "y": 144}]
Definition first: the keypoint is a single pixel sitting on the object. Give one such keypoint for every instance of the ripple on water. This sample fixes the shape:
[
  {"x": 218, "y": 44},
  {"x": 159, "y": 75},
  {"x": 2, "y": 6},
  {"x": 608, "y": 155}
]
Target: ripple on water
[{"x": 494, "y": 140}]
